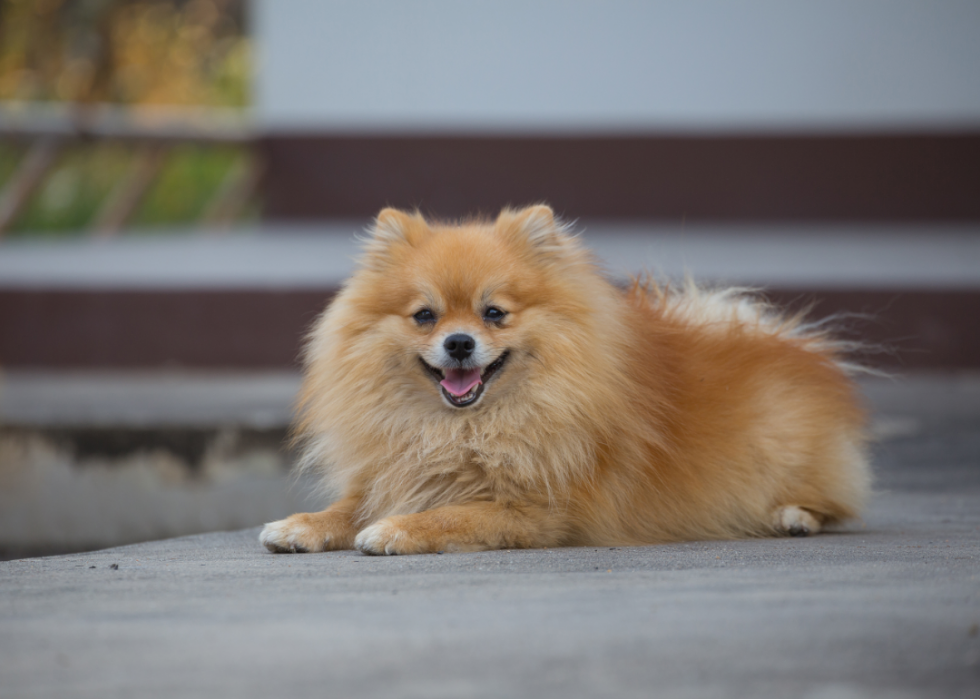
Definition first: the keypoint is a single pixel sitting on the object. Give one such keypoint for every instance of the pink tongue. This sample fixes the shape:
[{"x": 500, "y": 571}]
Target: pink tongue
[{"x": 460, "y": 381}]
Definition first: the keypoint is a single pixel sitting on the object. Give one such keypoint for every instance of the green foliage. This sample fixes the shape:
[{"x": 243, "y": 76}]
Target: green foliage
[
  {"x": 185, "y": 184},
  {"x": 73, "y": 189},
  {"x": 85, "y": 176}
]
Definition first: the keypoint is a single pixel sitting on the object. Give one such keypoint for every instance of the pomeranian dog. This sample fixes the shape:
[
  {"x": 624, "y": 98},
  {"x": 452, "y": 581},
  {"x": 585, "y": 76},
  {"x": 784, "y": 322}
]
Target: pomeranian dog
[{"x": 485, "y": 386}]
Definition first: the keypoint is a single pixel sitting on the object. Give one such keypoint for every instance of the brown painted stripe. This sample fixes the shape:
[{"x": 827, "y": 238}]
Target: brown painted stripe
[
  {"x": 910, "y": 329},
  {"x": 264, "y": 329},
  {"x": 136, "y": 329},
  {"x": 912, "y": 177}
]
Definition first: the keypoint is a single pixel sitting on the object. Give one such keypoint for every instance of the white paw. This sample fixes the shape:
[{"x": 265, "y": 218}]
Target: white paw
[
  {"x": 795, "y": 521},
  {"x": 286, "y": 536},
  {"x": 380, "y": 539}
]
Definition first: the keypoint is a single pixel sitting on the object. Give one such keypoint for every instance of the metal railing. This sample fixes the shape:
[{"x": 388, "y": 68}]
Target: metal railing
[{"x": 153, "y": 132}]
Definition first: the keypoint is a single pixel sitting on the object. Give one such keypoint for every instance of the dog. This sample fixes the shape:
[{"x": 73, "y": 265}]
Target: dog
[{"x": 485, "y": 386}]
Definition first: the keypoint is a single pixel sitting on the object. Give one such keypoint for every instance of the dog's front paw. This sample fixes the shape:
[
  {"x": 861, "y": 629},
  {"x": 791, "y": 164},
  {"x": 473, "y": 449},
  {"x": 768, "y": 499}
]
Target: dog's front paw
[
  {"x": 296, "y": 534},
  {"x": 385, "y": 538},
  {"x": 286, "y": 537}
]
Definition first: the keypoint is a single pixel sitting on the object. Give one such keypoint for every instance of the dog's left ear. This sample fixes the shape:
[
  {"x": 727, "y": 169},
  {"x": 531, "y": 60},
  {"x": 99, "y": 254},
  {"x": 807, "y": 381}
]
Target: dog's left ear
[{"x": 536, "y": 227}]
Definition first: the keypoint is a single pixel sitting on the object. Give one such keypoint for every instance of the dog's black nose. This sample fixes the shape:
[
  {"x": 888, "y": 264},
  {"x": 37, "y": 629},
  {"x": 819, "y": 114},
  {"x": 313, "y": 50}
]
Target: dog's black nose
[{"x": 459, "y": 346}]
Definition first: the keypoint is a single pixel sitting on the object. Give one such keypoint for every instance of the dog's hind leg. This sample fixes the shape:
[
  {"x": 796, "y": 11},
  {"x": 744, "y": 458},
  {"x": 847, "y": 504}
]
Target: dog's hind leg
[{"x": 796, "y": 521}]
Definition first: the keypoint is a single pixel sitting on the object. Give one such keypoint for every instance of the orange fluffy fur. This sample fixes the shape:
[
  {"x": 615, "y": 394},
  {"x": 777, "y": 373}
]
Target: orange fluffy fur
[{"x": 619, "y": 417}]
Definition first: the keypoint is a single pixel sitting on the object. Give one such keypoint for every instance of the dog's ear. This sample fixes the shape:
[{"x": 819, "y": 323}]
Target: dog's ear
[
  {"x": 535, "y": 227},
  {"x": 393, "y": 229}
]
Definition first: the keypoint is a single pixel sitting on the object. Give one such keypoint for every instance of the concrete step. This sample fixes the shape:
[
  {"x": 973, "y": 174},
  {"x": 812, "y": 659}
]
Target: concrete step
[
  {"x": 95, "y": 459},
  {"x": 91, "y": 460}
]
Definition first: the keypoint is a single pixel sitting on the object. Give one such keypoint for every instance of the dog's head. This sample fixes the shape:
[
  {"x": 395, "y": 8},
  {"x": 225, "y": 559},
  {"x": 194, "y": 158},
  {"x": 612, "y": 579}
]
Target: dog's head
[{"x": 468, "y": 313}]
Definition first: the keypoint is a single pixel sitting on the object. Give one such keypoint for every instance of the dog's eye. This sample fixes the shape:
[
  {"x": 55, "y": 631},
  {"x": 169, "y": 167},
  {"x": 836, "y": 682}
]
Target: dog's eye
[
  {"x": 425, "y": 316},
  {"x": 494, "y": 314}
]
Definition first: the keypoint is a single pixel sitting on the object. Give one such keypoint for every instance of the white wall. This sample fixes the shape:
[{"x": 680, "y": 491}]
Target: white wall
[{"x": 617, "y": 65}]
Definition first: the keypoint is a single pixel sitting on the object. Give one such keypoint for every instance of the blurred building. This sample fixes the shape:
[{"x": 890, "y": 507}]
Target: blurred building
[{"x": 848, "y": 110}]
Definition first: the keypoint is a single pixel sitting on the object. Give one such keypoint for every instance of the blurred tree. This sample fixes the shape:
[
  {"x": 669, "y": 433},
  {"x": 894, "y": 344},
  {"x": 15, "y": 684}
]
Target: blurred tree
[
  {"x": 173, "y": 52},
  {"x": 125, "y": 52}
]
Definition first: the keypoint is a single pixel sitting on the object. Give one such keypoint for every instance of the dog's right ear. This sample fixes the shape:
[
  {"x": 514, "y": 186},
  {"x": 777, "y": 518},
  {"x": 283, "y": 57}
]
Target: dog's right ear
[{"x": 393, "y": 229}]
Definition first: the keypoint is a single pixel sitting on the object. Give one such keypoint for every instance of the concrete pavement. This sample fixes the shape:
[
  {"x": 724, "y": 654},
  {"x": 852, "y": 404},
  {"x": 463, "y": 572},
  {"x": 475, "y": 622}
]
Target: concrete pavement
[{"x": 888, "y": 607}]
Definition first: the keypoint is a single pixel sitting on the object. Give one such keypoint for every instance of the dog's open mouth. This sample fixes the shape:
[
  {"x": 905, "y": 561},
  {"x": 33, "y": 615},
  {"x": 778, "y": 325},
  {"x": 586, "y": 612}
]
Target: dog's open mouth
[{"x": 463, "y": 387}]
